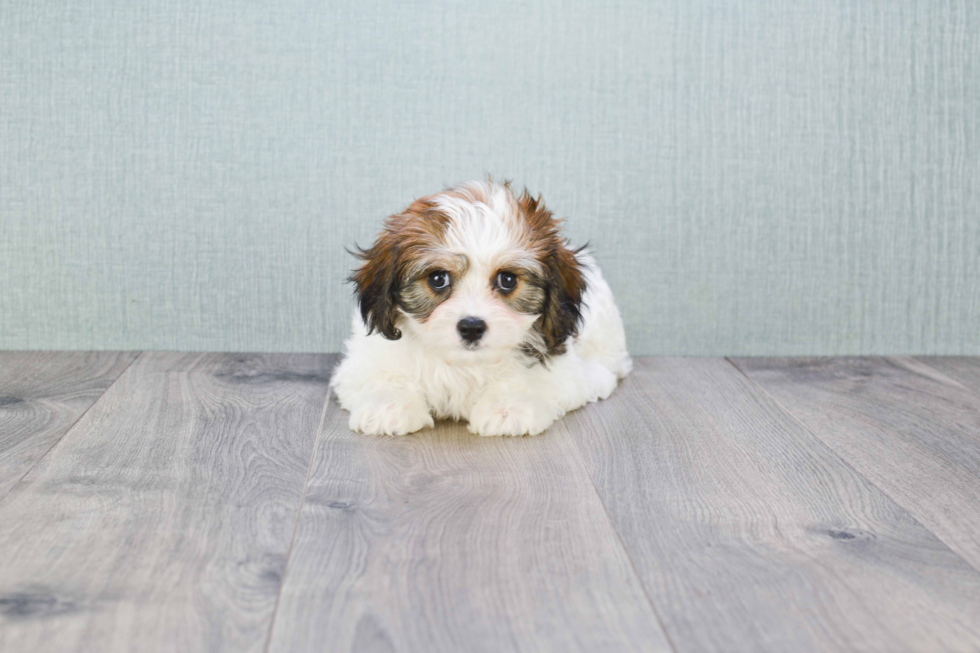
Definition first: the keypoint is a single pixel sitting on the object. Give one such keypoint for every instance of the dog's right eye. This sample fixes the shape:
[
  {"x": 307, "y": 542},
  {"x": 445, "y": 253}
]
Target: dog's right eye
[{"x": 439, "y": 280}]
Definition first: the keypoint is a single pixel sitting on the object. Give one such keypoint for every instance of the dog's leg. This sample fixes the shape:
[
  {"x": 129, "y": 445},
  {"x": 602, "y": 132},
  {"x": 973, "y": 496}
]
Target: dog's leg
[
  {"x": 512, "y": 414},
  {"x": 525, "y": 403},
  {"x": 380, "y": 395},
  {"x": 388, "y": 411}
]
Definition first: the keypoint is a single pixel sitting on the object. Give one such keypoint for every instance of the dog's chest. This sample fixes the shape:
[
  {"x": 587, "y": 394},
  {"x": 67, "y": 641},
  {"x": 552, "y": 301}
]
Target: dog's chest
[{"x": 451, "y": 389}]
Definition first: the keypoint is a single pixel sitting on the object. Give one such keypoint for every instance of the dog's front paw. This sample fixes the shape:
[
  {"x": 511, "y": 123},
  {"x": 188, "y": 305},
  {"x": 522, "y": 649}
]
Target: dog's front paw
[
  {"x": 511, "y": 416},
  {"x": 389, "y": 415}
]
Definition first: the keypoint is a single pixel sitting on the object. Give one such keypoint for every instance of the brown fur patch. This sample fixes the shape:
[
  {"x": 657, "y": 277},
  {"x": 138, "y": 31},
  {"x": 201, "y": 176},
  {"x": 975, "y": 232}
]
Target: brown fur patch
[
  {"x": 416, "y": 296},
  {"x": 563, "y": 281},
  {"x": 393, "y": 260},
  {"x": 529, "y": 295}
]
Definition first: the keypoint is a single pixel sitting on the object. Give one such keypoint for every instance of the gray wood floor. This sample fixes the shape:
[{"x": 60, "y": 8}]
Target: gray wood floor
[{"x": 218, "y": 502}]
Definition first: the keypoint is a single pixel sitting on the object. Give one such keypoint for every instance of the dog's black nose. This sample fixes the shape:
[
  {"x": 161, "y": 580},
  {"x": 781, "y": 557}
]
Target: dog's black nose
[{"x": 471, "y": 328}]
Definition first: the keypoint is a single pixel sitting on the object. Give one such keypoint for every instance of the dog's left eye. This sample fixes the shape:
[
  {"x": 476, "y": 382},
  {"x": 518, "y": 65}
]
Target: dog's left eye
[
  {"x": 506, "y": 281},
  {"x": 439, "y": 280}
]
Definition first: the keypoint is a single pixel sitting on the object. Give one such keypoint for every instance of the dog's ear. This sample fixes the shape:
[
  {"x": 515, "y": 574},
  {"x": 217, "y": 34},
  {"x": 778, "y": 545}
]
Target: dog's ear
[
  {"x": 379, "y": 279},
  {"x": 565, "y": 281},
  {"x": 377, "y": 286},
  {"x": 563, "y": 304}
]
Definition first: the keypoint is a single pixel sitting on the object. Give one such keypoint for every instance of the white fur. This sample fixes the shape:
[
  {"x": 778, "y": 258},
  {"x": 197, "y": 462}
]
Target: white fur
[{"x": 396, "y": 387}]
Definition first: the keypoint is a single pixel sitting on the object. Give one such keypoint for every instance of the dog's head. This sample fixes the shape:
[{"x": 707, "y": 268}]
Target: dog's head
[{"x": 473, "y": 269}]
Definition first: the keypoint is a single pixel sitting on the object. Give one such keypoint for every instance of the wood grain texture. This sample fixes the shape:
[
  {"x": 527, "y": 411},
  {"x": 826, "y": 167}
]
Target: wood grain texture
[
  {"x": 162, "y": 520},
  {"x": 911, "y": 430},
  {"x": 445, "y": 541},
  {"x": 964, "y": 369},
  {"x": 751, "y": 535},
  {"x": 42, "y": 394}
]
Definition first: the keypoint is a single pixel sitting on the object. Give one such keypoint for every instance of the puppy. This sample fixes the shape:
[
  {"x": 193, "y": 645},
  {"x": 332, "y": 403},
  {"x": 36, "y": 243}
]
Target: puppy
[{"x": 473, "y": 306}]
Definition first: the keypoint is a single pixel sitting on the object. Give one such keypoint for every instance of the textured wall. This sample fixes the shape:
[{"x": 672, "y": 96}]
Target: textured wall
[{"x": 758, "y": 177}]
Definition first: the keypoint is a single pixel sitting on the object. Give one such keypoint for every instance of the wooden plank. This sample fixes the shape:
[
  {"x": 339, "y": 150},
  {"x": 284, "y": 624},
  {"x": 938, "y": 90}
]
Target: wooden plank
[
  {"x": 911, "y": 430},
  {"x": 751, "y": 535},
  {"x": 42, "y": 394},
  {"x": 964, "y": 369},
  {"x": 162, "y": 520},
  {"x": 445, "y": 541}
]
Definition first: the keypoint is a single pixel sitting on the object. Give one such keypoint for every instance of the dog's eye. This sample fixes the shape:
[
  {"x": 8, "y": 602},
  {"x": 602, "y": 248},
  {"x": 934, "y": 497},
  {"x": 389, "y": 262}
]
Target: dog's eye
[
  {"x": 506, "y": 281},
  {"x": 439, "y": 280}
]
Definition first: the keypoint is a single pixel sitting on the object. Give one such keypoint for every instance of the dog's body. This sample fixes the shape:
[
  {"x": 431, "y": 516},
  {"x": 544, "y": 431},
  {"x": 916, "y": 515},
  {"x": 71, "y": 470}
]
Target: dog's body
[{"x": 473, "y": 307}]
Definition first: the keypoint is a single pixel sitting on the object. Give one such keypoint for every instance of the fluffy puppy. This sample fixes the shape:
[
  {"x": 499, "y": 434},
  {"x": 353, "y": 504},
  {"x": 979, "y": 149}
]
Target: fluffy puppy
[{"x": 472, "y": 306}]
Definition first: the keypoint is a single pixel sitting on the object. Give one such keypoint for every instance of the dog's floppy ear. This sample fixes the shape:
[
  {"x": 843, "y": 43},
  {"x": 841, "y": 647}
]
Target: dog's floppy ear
[
  {"x": 380, "y": 277},
  {"x": 565, "y": 282},
  {"x": 563, "y": 305},
  {"x": 377, "y": 286}
]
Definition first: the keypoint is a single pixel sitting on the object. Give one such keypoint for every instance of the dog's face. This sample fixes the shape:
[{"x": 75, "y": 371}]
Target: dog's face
[{"x": 472, "y": 271}]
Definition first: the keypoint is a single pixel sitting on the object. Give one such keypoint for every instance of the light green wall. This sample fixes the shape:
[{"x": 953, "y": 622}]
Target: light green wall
[{"x": 757, "y": 177}]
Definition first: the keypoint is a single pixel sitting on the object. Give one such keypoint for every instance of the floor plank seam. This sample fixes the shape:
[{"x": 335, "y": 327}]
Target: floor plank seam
[
  {"x": 69, "y": 429},
  {"x": 850, "y": 466},
  {"x": 619, "y": 538},
  {"x": 299, "y": 516},
  {"x": 918, "y": 360}
]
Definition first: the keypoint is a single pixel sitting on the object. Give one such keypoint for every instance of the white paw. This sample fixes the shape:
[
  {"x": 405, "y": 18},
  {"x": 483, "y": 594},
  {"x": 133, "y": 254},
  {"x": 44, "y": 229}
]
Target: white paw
[
  {"x": 510, "y": 417},
  {"x": 390, "y": 416},
  {"x": 603, "y": 381}
]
